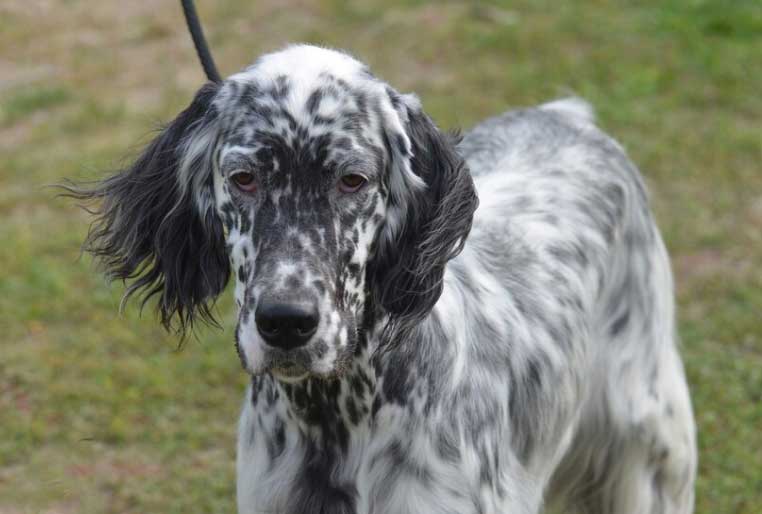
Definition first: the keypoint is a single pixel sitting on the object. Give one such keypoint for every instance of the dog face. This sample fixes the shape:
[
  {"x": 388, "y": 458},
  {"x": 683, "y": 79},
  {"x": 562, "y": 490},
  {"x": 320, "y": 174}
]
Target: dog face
[
  {"x": 333, "y": 199},
  {"x": 302, "y": 190}
]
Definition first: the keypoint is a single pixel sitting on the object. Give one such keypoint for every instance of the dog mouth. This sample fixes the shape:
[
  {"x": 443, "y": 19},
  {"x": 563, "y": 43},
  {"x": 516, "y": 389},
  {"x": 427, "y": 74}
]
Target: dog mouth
[
  {"x": 289, "y": 371},
  {"x": 291, "y": 366},
  {"x": 298, "y": 364}
]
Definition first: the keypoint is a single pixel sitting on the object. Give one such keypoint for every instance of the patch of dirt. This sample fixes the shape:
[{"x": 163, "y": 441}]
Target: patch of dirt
[
  {"x": 19, "y": 132},
  {"x": 81, "y": 38},
  {"x": 118, "y": 469},
  {"x": 14, "y": 75},
  {"x": 755, "y": 212},
  {"x": 701, "y": 264}
]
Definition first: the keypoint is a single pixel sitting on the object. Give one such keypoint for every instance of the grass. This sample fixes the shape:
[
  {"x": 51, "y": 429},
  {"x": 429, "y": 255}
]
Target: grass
[
  {"x": 23, "y": 103},
  {"x": 100, "y": 413}
]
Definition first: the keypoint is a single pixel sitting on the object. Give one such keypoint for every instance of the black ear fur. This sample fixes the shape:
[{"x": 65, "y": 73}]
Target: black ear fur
[
  {"x": 408, "y": 271},
  {"x": 149, "y": 229}
]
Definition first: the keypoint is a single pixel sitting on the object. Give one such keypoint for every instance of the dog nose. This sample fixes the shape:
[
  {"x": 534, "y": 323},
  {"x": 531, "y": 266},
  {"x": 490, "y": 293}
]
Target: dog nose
[{"x": 286, "y": 325}]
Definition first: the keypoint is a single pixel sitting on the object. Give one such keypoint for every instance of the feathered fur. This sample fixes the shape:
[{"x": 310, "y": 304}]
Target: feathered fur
[{"x": 467, "y": 360}]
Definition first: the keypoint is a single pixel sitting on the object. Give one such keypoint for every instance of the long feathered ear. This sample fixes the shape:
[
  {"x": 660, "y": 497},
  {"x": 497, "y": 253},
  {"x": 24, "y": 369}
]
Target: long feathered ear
[
  {"x": 428, "y": 219},
  {"x": 156, "y": 227}
]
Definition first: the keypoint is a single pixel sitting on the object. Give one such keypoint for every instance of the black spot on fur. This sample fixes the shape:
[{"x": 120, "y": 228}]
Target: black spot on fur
[
  {"x": 317, "y": 491},
  {"x": 276, "y": 441},
  {"x": 447, "y": 447},
  {"x": 620, "y": 323},
  {"x": 394, "y": 98},
  {"x": 313, "y": 102}
]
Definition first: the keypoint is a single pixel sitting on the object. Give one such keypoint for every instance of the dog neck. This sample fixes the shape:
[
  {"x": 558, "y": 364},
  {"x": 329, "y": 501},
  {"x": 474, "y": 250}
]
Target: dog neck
[{"x": 324, "y": 410}]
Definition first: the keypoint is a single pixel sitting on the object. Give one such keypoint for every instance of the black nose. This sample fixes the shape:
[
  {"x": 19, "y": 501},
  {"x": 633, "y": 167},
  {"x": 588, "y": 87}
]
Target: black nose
[{"x": 286, "y": 325}]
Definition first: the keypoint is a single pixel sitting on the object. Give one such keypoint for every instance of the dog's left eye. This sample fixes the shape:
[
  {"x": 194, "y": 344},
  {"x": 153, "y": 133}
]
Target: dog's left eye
[
  {"x": 245, "y": 181},
  {"x": 351, "y": 183}
]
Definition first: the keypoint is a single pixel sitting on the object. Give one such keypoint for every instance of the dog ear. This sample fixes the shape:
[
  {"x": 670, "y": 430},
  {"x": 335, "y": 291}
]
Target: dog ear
[
  {"x": 156, "y": 227},
  {"x": 428, "y": 218}
]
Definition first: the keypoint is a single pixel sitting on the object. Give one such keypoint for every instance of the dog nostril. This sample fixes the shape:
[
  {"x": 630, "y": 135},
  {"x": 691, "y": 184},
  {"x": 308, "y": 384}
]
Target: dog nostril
[
  {"x": 267, "y": 325},
  {"x": 286, "y": 325},
  {"x": 267, "y": 318},
  {"x": 306, "y": 324}
]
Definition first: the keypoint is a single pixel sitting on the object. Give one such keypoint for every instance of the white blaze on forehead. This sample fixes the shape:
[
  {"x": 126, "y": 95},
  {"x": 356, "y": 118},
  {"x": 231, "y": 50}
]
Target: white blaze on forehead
[
  {"x": 312, "y": 60},
  {"x": 303, "y": 65},
  {"x": 329, "y": 105}
]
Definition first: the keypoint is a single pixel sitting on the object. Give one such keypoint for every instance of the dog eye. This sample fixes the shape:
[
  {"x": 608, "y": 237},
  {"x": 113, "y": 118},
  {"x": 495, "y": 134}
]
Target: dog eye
[
  {"x": 244, "y": 181},
  {"x": 351, "y": 183}
]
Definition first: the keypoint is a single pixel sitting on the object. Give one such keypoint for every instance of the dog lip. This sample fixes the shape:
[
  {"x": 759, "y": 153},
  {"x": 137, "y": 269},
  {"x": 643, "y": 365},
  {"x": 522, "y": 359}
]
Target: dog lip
[
  {"x": 289, "y": 371},
  {"x": 288, "y": 366}
]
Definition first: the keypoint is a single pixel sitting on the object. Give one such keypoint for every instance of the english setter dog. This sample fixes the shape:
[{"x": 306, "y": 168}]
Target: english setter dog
[{"x": 414, "y": 350}]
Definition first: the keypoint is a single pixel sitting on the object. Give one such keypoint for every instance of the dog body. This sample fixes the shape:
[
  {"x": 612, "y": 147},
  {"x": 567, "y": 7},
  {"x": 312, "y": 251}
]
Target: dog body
[{"x": 410, "y": 353}]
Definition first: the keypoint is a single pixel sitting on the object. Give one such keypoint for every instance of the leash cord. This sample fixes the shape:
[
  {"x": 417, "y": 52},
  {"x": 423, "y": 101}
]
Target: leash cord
[{"x": 194, "y": 27}]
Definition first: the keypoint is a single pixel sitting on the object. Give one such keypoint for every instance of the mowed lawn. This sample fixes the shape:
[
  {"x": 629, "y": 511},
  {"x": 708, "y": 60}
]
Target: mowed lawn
[{"x": 101, "y": 413}]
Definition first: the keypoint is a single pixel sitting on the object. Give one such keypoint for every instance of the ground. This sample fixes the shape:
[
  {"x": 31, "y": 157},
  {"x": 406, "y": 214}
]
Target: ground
[{"x": 100, "y": 413}]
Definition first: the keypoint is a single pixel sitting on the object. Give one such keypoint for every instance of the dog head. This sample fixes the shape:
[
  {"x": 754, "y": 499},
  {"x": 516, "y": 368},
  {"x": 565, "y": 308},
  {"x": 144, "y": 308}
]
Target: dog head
[{"x": 334, "y": 201}]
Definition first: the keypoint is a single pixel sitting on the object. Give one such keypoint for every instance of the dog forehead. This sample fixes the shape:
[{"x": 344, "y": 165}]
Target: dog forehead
[
  {"x": 306, "y": 62},
  {"x": 305, "y": 97},
  {"x": 299, "y": 70}
]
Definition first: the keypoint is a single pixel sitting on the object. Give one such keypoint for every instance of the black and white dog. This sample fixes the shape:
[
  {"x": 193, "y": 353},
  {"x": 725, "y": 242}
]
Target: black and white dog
[{"x": 410, "y": 352}]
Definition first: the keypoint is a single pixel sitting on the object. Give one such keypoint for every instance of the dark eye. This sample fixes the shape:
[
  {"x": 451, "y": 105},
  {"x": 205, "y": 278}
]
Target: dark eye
[
  {"x": 351, "y": 183},
  {"x": 244, "y": 181}
]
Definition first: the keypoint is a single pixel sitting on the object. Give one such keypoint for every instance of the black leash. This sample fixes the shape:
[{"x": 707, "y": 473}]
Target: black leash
[{"x": 194, "y": 26}]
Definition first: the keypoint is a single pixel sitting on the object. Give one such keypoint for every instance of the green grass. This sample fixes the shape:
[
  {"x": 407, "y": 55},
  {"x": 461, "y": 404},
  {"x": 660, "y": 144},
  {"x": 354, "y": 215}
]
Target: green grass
[
  {"x": 100, "y": 413},
  {"x": 23, "y": 103}
]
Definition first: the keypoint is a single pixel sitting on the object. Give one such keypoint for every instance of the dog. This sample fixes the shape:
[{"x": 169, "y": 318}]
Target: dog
[{"x": 414, "y": 347}]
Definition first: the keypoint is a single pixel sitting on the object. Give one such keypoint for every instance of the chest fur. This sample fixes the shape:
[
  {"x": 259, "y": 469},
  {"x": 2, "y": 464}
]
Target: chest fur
[{"x": 392, "y": 465}]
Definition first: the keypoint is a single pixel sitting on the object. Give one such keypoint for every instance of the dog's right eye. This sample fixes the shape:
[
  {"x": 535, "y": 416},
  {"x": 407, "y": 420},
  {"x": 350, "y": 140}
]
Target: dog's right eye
[{"x": 244, "y": 181}]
